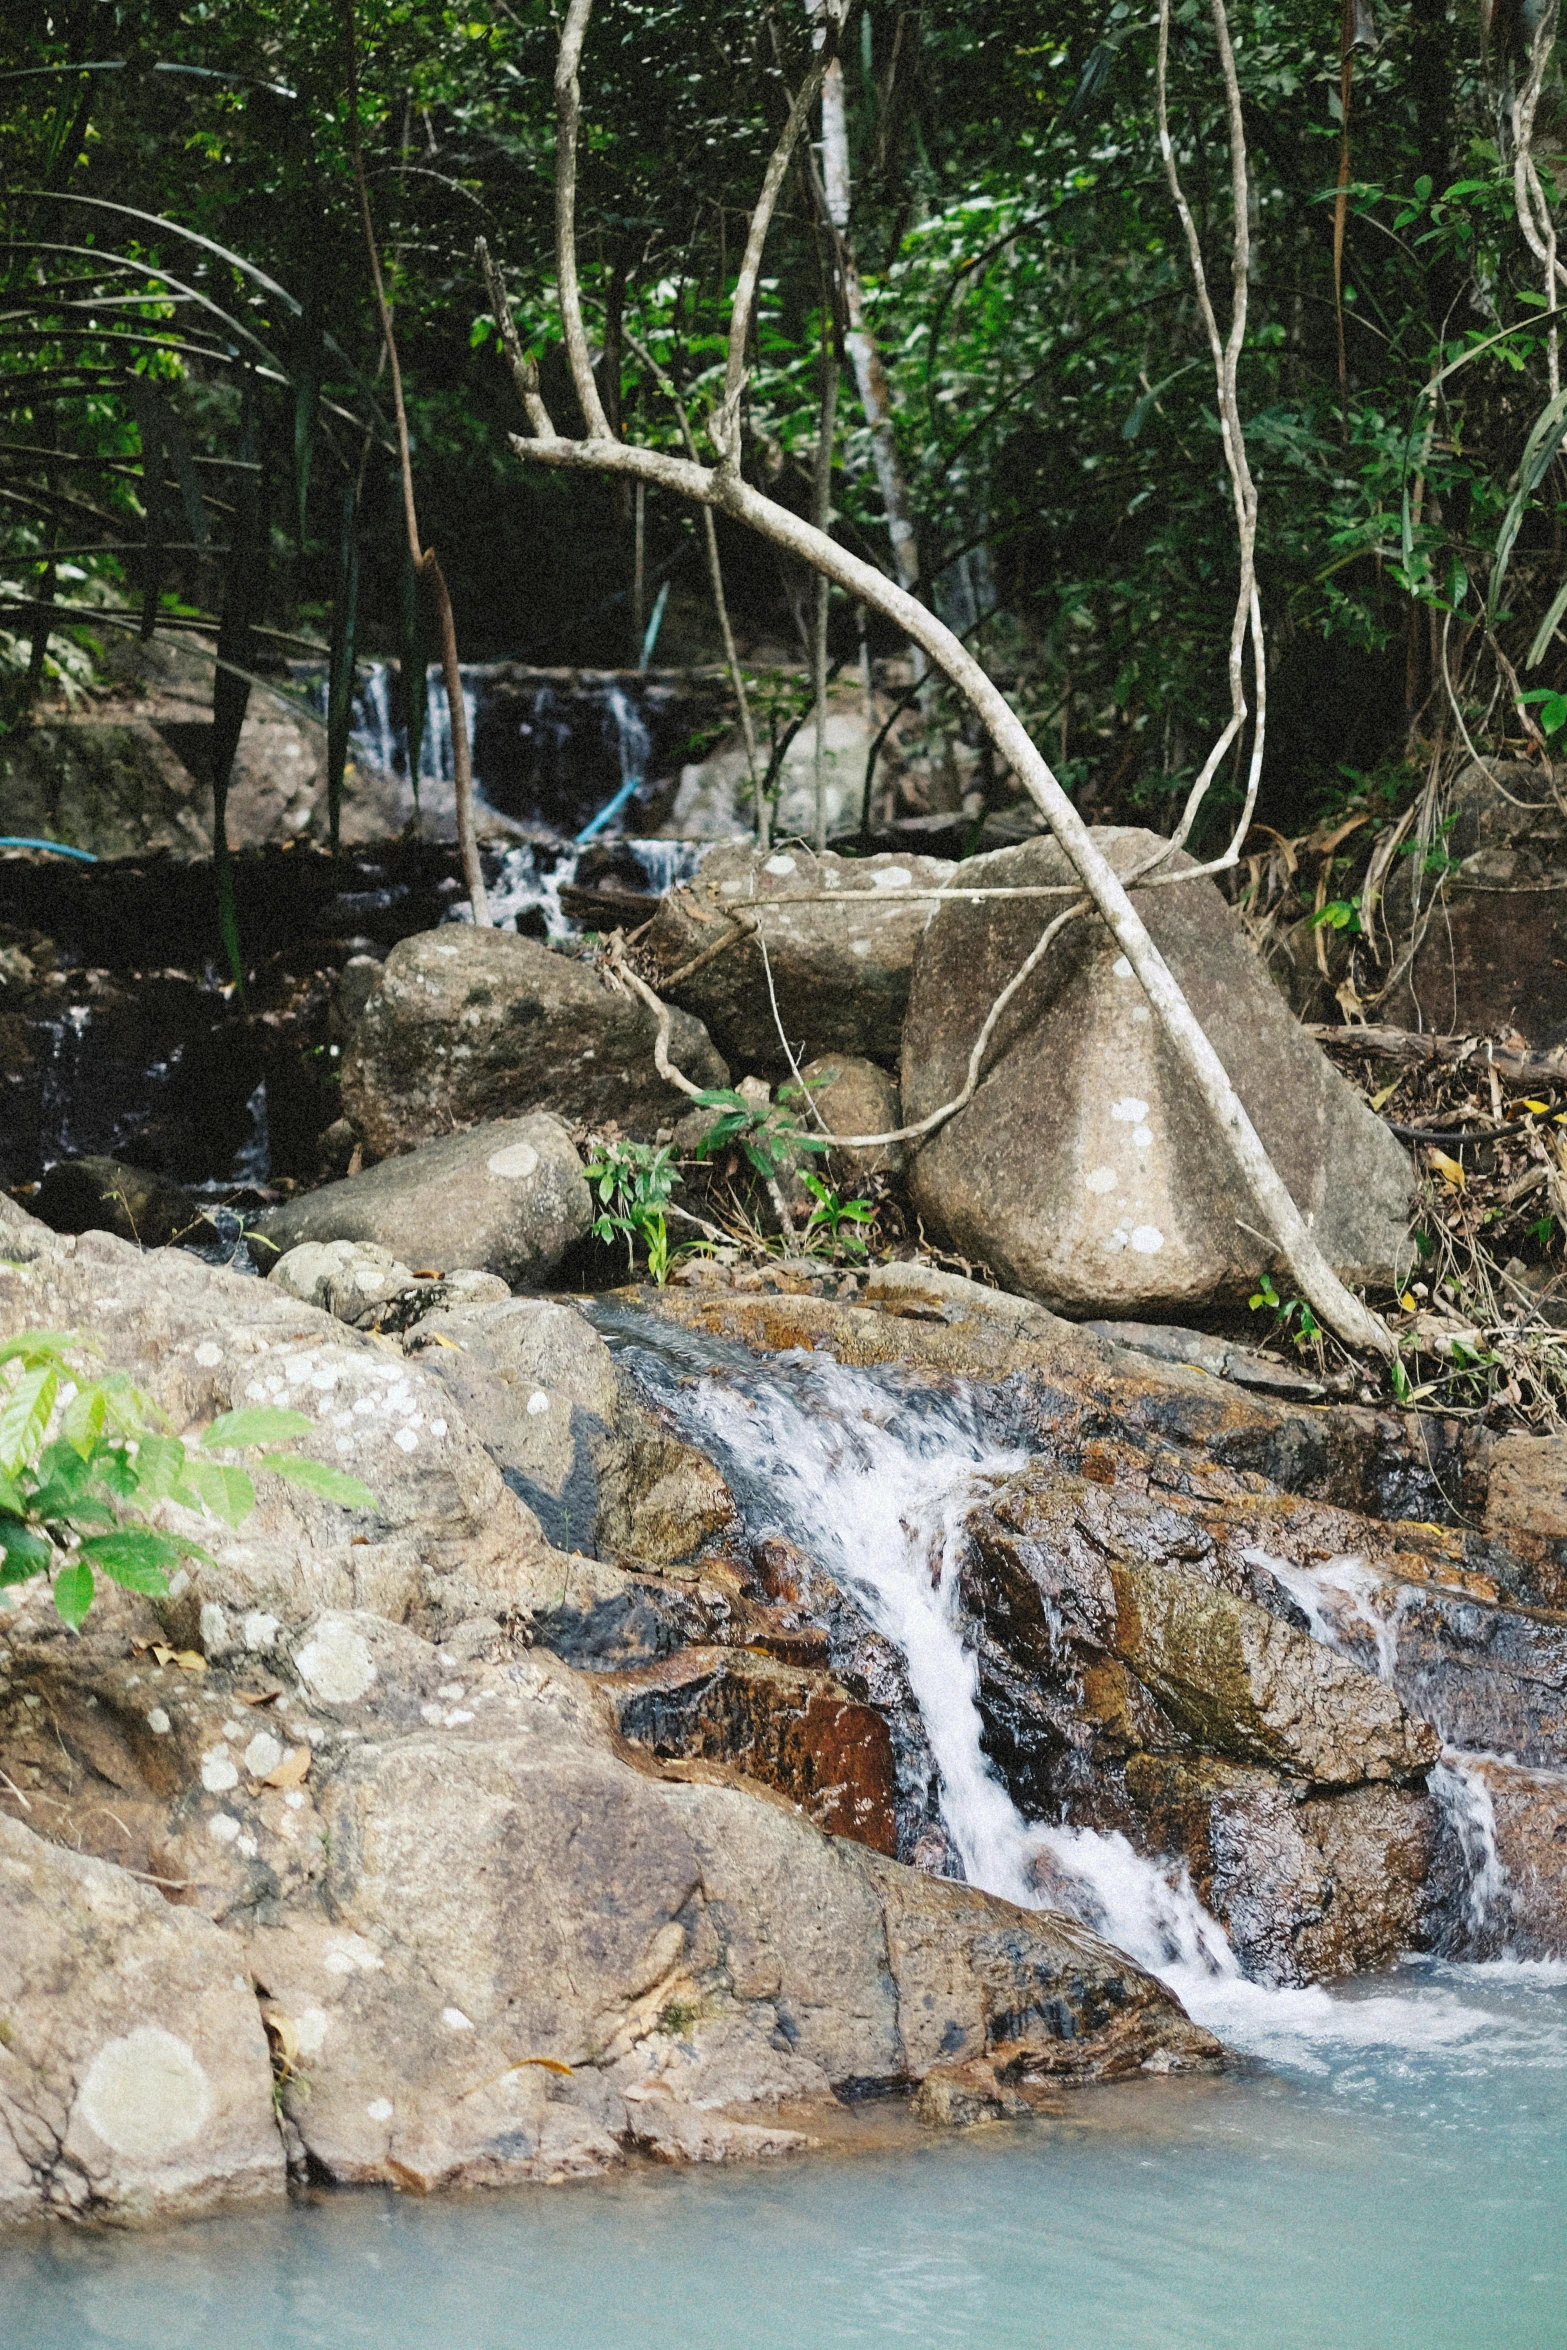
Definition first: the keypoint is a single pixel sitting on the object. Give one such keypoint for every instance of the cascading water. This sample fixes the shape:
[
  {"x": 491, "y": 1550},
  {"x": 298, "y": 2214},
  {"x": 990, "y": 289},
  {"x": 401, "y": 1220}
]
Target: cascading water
[
  {"x": 871, "y": 1475},
  {"x": 1354, "y": 1610}
]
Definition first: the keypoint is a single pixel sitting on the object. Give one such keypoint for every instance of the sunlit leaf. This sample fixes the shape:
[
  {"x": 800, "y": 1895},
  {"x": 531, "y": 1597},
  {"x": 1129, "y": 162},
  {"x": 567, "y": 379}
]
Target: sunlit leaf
[{"x": 320, "y": 1478}]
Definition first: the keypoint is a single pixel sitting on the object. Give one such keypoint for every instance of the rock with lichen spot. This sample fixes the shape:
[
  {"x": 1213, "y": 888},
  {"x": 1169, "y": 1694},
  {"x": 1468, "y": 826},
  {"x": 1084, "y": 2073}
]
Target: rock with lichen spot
[
  {"x": 464, "y": 1025},
  {"x": 135, "y": 2082},
  {"x": 509, "y": 1198},
  {"x": 1086, "y": 1172}
]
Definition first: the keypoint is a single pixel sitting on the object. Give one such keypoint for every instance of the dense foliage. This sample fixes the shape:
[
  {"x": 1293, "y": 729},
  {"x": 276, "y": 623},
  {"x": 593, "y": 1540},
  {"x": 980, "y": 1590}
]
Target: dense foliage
[{"x": 192, "y": 382}]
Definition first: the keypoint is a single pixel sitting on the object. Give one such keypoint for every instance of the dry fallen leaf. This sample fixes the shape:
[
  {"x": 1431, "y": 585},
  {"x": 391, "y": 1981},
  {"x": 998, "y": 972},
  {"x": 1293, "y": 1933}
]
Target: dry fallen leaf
[
  {"x": 1387, "y": 1093},
  {"x": 291, "y": 1771},
  {"x": 1407, "y": 1301},
  {"x": 1539, "y": 1108},
  {"x": 257, "y": 1696},
  {"x": 1448, "y": 1168},
  {"x": 161, "y": 1655},
  {"x": 190, "y": 1660}
]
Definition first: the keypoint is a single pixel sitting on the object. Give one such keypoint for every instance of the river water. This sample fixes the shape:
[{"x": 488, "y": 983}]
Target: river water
[
  {"x": 1409, "y": 2194},
  {"x": 1384, "y": 2167}
]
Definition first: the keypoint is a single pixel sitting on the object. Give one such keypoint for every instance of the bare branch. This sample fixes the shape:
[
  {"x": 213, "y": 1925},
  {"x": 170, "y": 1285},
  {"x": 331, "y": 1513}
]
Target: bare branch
[
  {"x": 423, "y": 558},
  {"x": 1226, "y": 351},
  {"x": 568, "y": 110},
  {"x": 724, "y": 424},
  {"x": 722, "y": 487},
  {"x": 524, "y": 371},
  {"x": 1535, "y": 215}
]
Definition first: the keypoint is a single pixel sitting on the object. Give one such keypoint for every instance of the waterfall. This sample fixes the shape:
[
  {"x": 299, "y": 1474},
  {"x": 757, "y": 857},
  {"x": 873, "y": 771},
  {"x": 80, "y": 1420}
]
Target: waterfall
[
  {"x": 872, "y": 1475},
  {"x": 1354, "y": 1610}
]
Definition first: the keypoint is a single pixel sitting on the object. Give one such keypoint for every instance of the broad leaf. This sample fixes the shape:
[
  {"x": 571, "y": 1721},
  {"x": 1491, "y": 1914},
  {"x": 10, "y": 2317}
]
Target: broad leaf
[
  {"x": 43, "y": 1346},
  {"x": 73, "y": 1590},
  {"x": 25, "y": 1551},
  {"x": 83, "y": 1420},
  {"x": 114, "y": 1467},
  {"x": 134, "y": 1556},
  {"x": 25, "y": 1415},
  {"x": 160, "y": 1464},
  {"x": 319, "y": 1477},
  {"x": 261, "y": 1424},
  {"x": 227, "y": 1493}
]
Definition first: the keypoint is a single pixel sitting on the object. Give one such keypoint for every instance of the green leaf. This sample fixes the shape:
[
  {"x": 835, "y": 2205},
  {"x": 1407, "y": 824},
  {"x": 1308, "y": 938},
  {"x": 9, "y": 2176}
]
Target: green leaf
[
  {"x": 25, "y": 1415},
  {"x": 260, "y": 1424},
  {"x": 160, "y": 1464},
  {"x": 82, "y": 1421},
  {"x": 114, "y": 1467},
  {"x": 43, "y": 1346},
  {"x": 25, "y": 1551},
  {"x": 73, "y": 1590},
  {"x": 134, "y": 1556},
  {"x": 227, "y": 1493},
  {"x": 320, "y": 1478},
  {"x": 1547, "y": 629}
]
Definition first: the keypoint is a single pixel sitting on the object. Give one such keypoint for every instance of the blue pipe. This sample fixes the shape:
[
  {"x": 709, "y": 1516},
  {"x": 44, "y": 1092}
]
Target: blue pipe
[
  {"x": 56, "y": 848},
  {"x": 610, "y": 808}
]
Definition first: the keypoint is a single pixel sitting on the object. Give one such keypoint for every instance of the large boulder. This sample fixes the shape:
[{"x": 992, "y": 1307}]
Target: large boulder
[
  {"x": 466, "y": 1024},
  {"x": 840, "y": 972},
  {"x": 507, "y": 1198},
  {"x": 1084, "y": 1172},
  {"x": 447, "y": 1541},
  {"x": 135, "y": 2081}
]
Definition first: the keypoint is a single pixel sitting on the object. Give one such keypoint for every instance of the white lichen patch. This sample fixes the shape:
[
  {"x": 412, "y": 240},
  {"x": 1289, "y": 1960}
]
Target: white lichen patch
[
  {"x": 351, "y": 1954},
  {"x": 1129, "y": 1111},
  {"x": 515, "y": 1163},
  {"x": 380, "y": 2109},
  {"x": 778, "y": 866},
  {"x": 893, "y": 877},
  {"x": 336, "y": 1663},
  {"x": 218, "y": 1771},
  {"x": 263, "y": 1754},
  {"x": 1101, "y": 1179},
  {"x": 223, "y": 1827},
  {"x": 145, "y": 2094},
  {"x": 209, "y": 1354},
  {"x": 538, "y": 1402},
  {"x": 454, "y": 2020},
  {"x": 1147, "y": 1240},
  {"x": 158, "y": 1722}
]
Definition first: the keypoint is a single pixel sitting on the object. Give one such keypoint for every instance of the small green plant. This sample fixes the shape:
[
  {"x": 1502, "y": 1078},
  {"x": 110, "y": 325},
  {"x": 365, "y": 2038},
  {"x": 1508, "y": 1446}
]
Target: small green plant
[
  {"x": 835, "y": 1227},
  {"x": 768, "y": 1135},
  {"x": 1292, "y": 1315},
  {"x": 81, "y": 1458},
  {"x": 634, "y": 1181},
  {"x": 1338, "y": 914}
]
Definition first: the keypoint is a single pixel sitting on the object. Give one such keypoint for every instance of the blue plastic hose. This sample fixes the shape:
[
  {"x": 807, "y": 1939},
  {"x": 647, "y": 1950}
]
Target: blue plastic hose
[
  {"x": 56, "y": 848},
  {"x": 609, "y": 809}
]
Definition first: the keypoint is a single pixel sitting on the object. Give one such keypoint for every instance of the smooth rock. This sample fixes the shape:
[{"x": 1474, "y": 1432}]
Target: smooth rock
[
  {"x": 539, "y": 1388},
  {"x": 135, "y": 2082},
  {"x": 841, "y": 972},
  {"x": 364, "y": 1284},
  {"x": 851, "y": 1095},
  {"x": 508, "y": 1198},
  {"x": 104, "y": 1195},
  {"x": 465, "y": 1025},
  {"x": 447, "y": 1541},
  {"x": 1085, "y": 1173}
]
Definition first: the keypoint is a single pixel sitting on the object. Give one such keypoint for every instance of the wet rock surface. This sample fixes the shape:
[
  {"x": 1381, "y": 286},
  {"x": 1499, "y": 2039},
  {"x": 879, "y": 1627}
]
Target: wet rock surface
[
  {"x": 1085, "y": 1174},
  {"x": 489, "y": 1933},
  {"x": 466, "y": 1025}
]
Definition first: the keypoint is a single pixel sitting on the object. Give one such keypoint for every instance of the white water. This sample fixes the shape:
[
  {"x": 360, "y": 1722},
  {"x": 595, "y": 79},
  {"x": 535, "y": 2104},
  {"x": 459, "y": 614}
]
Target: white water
[
  {"x": 1346, "y": 1602},
  {"x": 873, "y": 1477}
]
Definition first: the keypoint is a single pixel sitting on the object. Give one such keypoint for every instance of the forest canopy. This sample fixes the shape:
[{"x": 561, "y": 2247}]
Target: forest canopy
[{"x": 198, "y": 425}]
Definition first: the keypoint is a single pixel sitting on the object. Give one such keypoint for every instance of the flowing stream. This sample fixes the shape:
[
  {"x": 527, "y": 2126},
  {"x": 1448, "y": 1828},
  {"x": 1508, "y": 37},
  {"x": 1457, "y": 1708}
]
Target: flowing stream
[{"x": 1385, "y": 2168}]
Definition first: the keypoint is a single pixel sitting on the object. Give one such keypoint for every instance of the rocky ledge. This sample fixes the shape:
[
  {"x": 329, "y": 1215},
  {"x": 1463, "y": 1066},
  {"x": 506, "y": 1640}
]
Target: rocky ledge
[{"x": 327, "y": 1866}]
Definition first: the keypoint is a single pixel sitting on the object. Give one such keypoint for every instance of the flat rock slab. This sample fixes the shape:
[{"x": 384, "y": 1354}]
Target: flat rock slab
[
  {"x": 468, "y": 1024},
  {"x": 508, "y": 1198},
  {"x": 1085, "y": 1173},
  {"x": 135, "y": 2080}
]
